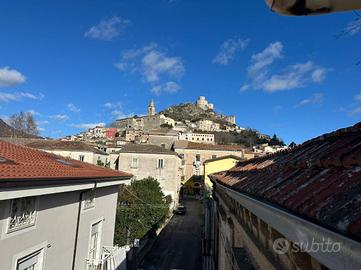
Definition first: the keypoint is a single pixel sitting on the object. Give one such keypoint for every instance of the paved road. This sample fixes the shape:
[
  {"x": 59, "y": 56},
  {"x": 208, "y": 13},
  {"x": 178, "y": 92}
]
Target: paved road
[{"x": 179, "y": 244}]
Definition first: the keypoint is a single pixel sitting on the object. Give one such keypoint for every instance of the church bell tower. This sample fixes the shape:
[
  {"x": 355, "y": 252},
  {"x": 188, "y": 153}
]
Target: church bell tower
[{"x": 151, "y": 108}]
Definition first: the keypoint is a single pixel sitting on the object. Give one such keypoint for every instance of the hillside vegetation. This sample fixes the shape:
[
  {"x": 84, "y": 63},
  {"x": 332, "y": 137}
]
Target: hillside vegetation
[{"x": 191, "y": 112}]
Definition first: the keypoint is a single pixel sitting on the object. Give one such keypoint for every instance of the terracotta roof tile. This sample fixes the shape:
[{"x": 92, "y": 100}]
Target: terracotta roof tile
[
  {"x": 23, "y": 163},
  {"x": 64, "y": 145},
  {"x": 319, "y": 180}
]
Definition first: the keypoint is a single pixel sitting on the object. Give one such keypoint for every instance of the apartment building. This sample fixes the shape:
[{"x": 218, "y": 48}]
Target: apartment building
[
  {"x": 144, "y": 160},
  {"x": 55, "y": 213}
]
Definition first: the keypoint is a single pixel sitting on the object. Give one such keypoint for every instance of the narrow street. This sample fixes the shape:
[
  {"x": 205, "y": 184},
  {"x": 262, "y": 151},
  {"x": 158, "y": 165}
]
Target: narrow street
[{"x": 179, "y": 244}]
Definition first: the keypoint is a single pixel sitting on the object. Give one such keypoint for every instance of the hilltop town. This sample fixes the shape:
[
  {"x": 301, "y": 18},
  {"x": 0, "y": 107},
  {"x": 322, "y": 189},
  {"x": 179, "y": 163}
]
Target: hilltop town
[{"x": 195, "y": 122}]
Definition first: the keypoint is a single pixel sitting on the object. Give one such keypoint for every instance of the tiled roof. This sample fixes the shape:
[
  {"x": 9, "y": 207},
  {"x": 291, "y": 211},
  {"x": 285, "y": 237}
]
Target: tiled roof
[
  {"x": 319, "y": 180},
  {"x": 64, "y": 145},
  {"x": 201, "y": 146},
  {"x": 221, "y": 158},
  {"x": 23, "y": 163},
  {"x": 145, "y": 149}
]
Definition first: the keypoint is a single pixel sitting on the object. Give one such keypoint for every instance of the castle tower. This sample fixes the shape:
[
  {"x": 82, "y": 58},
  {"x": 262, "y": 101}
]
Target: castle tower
[{"x": 151, "y": 108}]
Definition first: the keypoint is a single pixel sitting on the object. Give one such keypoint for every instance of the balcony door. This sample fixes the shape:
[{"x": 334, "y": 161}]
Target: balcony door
[{"x": 95, "y": 239}]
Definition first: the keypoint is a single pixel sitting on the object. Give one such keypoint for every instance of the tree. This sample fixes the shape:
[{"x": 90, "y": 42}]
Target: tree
[
  {"x": 166, "y": 125},
  {"x": 141, "y": 207},
  {"x": 276, "y": 141},
  {"x": 25, "y": 122}
]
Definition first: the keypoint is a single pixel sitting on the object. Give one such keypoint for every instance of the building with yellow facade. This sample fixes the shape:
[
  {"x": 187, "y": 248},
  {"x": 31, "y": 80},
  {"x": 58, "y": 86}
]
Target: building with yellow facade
[{"x": 218, "y": 165}]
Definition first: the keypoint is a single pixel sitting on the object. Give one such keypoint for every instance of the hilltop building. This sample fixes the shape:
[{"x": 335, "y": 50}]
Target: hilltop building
[
  {"x": 151, "y": 121},
  {"x": 202, "y": 103},
  {"x": 206, "y": 138}
]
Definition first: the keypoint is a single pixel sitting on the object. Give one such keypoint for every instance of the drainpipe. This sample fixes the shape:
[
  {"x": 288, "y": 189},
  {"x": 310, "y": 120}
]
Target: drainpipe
[{"x": 77, "y": 227}]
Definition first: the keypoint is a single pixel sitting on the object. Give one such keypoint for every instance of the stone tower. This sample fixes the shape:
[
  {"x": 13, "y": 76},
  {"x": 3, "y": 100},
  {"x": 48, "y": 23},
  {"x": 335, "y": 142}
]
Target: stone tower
[{"x": 151, "y": 108}]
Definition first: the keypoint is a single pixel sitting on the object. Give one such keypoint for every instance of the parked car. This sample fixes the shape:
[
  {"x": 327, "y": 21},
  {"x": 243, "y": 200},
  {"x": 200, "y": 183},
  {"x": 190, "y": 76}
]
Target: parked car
[{"x": 180, "y": 210}]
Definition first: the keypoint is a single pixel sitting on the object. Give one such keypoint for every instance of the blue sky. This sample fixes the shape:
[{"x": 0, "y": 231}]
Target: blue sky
[{"x": 78, "y": 64}]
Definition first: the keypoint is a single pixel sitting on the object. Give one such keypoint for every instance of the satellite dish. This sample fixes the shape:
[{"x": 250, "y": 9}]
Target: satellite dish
[{"x": 312, "y": 7}]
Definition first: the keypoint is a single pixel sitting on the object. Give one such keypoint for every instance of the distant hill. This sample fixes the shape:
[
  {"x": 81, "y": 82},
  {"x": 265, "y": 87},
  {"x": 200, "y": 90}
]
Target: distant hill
[
  {"x": 191, "y": 112},
  {"x": 8, "y": 131}
]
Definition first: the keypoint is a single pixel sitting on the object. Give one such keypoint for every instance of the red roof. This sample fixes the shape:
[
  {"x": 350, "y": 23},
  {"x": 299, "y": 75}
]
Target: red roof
[
  {"x": 23, "y": 163},
  {"x": 319, "y": 180}
]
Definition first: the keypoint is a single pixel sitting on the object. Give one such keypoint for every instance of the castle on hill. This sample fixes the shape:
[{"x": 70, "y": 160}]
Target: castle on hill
[{"x": 154, "y": 120}]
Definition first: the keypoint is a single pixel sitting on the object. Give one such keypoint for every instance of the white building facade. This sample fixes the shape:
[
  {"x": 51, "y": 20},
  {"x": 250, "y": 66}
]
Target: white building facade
[{"x": 55, "y": 214}]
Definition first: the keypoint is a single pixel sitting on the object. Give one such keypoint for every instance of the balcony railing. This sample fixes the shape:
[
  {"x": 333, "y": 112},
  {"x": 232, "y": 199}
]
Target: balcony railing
[{"x": 111, "y": 259}]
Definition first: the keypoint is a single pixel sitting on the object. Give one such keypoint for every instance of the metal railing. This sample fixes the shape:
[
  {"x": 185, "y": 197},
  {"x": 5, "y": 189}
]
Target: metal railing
[{"x": 105, "y": 261}]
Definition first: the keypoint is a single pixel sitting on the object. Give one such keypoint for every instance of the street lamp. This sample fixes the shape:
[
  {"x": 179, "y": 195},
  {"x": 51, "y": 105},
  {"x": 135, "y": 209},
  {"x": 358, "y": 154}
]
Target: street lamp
[{"x": 312, "y": 7}]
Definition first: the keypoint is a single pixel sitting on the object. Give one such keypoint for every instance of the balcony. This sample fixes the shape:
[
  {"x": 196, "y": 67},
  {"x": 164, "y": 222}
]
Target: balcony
[{"x": 112, "y": 258}]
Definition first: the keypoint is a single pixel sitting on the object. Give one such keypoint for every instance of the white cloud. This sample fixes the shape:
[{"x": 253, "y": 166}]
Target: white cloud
[
  {"x": 229, "y": 49},
  {"x": 265, "y": 58},
  {"x": 73, "y": 108},
  {"x": 353, "y": 27},
  {"x": 59, "y": 117},
  {"x": 17, "y": 96},
  {"x": 295, "y": 76},
  {"x": 113, "y": 105},
  {"x": 316, "y": 98},
  {"x": 358, "y": 97},
  {"x": 108, "y": 29},
  {"x": 117, "y": 111},
  {"x": 87, "y": 125},
  {"x": 118, "y": 114},
  {"x": 261, "y": 76},
  {"x": 33, "y": 112},
  {"x": 168, "y": 87},
  {"x": 319, "y": 74},
  {"x": 245, "y": 87},
  {"x": 355, "y": 111},
  {"x": 10, "y": 77},
  {"x": 277, "y": 108},
  {"x": 156, "y": 63},
  {"x": 42, "y": 122},
  {"x": 153, "y": 64}
]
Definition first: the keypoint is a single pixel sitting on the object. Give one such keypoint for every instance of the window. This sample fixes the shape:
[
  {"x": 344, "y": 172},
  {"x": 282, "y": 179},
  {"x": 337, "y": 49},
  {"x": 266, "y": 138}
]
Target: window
[
  {"x": 198, "y": 157},
  {"x": 22, "y": 213},
  {"x": 160, "y": 163},
  {"x": 214, "y": 156},
  {"x": 33, "y": 261},
  {"x": 135, "y": 163},
  {"x": 81, "y": 157},
  {"x": 163, "y": 145},
  {"x": 89, "y": 199}
]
